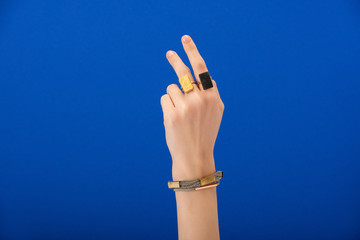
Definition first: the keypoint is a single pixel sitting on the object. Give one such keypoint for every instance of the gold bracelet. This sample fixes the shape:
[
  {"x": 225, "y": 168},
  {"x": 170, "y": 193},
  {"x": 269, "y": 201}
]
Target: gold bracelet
[{"x": 209, "y": 181}]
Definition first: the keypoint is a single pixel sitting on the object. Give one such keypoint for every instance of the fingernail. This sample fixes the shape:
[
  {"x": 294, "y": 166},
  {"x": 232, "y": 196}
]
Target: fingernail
[
  {"x": 170, "y": 53},
  {"x": 186, "y": 39}
]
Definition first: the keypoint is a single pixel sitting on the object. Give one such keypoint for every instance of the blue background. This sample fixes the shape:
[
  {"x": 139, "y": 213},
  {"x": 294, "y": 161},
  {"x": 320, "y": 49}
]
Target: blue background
[{"x": 81, "y": 126}]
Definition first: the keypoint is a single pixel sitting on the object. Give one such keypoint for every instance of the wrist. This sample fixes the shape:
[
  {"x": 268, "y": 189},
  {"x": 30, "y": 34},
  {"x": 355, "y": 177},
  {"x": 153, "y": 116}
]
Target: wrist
[{"x": 193, "y": 167}]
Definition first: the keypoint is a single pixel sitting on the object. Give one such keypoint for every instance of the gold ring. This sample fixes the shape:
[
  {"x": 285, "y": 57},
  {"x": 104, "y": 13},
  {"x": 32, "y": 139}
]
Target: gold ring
[{"x": 186, "y": 84}]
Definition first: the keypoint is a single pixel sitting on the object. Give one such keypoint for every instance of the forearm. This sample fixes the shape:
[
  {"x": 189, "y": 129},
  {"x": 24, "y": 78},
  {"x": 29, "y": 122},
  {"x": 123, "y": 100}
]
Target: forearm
[
  {"x": 197, "y": 214},
  {"x": 196, "y": 210}
]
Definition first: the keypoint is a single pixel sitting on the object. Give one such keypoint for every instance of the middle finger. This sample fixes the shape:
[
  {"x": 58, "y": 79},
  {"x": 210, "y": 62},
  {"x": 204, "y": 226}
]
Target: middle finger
[{"x": 196, "y": 61}]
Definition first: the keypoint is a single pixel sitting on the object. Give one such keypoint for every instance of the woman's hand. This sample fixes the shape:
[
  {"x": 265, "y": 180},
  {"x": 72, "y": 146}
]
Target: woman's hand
[{"x": 191, "y": 120}]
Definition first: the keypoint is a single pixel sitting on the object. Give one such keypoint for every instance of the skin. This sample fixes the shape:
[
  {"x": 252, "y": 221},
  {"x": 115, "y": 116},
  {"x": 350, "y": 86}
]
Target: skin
[{"x": 192, "y": 121}]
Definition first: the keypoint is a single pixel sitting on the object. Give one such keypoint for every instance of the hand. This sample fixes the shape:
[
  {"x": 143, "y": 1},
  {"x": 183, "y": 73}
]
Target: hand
[{"x": 191, "y": 120}]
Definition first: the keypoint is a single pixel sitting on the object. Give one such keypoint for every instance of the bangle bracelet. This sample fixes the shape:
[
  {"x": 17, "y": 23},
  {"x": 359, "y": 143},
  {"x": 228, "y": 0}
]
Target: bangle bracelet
[{"x": 205, "y": 182}]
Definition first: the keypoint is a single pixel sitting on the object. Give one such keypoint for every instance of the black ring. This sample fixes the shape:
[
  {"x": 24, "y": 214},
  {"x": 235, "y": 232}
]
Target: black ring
[{"x": 206, "y": 80}]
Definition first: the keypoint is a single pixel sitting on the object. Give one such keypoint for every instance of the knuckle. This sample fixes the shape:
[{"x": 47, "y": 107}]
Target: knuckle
[
  {"x": 185, "y": 109},
  {"x": 170, "y": 87},
  {"x": 163, "y": 97},
  {"x": 186, "y": 69},
  {"x": 199, "y": 101},
  {"x": 172, "y": 119},
  {"x": 214, "y": 83},
  {"x": 186, "y": 112},
  {"x": 210, "y": 97},
  {"x": 200, "y": 65},
  {"x": 222, "y": 106},
  {"x": 195, "y": 99}
]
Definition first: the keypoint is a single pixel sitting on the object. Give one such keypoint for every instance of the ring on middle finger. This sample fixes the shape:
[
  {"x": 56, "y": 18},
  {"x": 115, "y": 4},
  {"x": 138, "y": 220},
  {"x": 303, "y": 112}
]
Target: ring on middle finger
[{"x": 205, "y": 80}]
